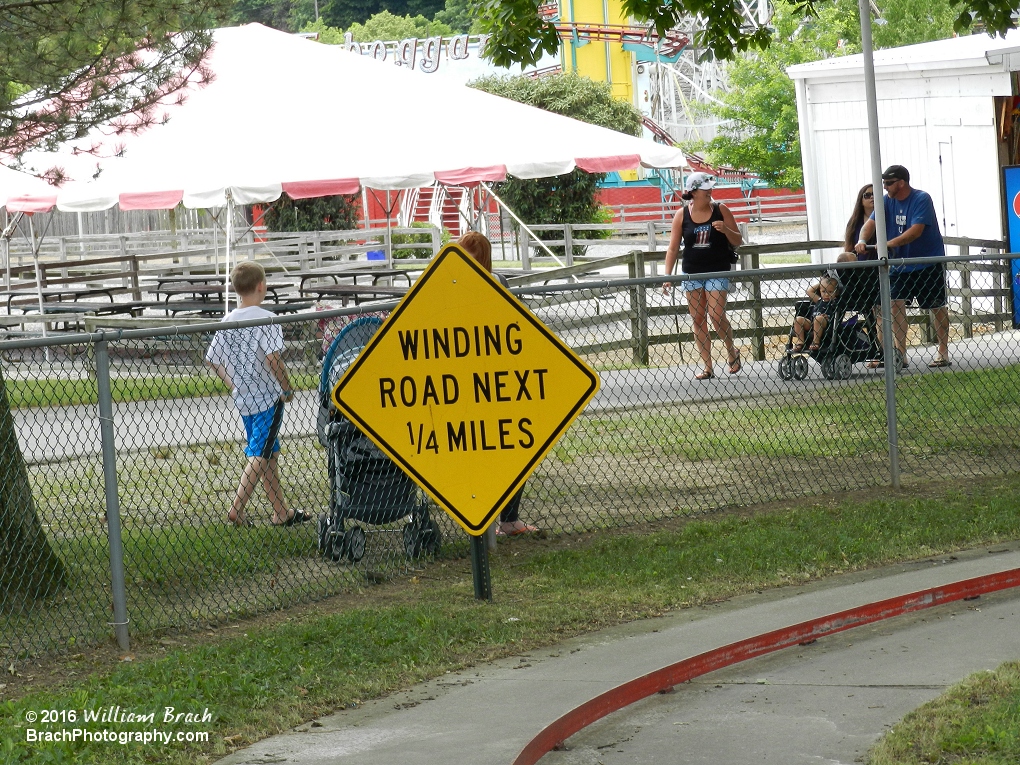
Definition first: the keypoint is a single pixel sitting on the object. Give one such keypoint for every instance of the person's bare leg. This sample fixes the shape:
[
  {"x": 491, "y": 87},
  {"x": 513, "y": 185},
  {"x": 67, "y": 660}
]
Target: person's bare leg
[
  {"x": 821, "y": 322},
  {"x": 899, "y": 320},
  {"x": 271, "y": 483},
  {"x": 941, "y": 319},
  {"x": 697, "y": 304},
  {"x": 253, "y": 470},
  {"x": 877, "y": 311},
  {"x": 721, "y": 322},
  {"x": 800, "y": 328}
]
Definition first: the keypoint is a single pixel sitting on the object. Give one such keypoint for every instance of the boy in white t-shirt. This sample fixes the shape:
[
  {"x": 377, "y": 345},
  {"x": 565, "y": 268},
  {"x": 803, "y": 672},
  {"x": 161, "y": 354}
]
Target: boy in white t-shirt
[{"x": 249, "y": 362}]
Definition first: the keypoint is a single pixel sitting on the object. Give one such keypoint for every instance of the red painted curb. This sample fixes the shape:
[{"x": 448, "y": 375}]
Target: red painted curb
[{"x": 665, "y": 678}]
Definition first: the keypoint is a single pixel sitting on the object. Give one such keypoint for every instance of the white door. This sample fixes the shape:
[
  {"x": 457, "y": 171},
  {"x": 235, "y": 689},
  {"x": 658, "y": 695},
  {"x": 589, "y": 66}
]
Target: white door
[{"x": 948, "y": 170}]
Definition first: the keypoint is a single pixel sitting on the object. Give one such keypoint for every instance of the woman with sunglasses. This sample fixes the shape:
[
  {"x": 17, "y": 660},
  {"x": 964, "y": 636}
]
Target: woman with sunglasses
[
  {"x": 863, "y": 208},
  {"x": 864, "y": 284},
  {"x": 710, "y": 236}
]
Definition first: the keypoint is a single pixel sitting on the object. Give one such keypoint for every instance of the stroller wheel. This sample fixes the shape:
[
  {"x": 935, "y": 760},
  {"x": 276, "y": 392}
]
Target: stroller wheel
[
  {"x": 412, "y": 540},
  {"x": 842, "y": 367},
  {"x": 800, "y": 367},
  {"x": 353, "y": 544},
  {"x": 827, "y": 370},
  {"x": 786, "y": 368},
  {"x": 327, "y": 540},
  {"x": 423, "y": 539},
  {"x": 432, "y": 540}
]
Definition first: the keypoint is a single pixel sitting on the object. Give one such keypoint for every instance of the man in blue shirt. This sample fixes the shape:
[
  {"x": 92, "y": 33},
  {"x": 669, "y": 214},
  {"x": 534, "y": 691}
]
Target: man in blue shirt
[{"x": 912, "y": 231}]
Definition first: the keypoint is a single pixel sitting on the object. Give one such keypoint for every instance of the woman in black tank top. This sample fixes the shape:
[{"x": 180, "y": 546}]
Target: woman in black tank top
[{"x": 709, "y": 235}]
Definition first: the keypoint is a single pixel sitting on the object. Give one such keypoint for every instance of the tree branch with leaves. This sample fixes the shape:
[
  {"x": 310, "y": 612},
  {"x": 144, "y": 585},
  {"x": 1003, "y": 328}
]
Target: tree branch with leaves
[
  {"x": 68, "y": 66},
  {"x": 520, "y": 36}
]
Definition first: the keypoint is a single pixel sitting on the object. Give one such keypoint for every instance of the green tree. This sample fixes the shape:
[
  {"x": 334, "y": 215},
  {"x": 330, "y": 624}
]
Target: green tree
[
  {"x": 66, "y": 67},
  {"x": 570, "y": 198},
  {"x": 457, "y": 15},
  {"x": 327, "y": 35},
  {"x": 520, "y": 36},
  {"x": 900, "y": 22},
  {"x": 386, "y": 26},
  {"x": 343, "y": 13},
  {"x": 270, "y": 13},
  {"x": 760, "y": 131},
  {"x": 336, "y": 213}
]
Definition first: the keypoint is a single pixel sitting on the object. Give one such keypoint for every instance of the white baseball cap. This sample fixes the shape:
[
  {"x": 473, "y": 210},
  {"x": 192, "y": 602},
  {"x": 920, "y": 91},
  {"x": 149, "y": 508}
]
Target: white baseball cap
[{"x": 697, "y": 181}]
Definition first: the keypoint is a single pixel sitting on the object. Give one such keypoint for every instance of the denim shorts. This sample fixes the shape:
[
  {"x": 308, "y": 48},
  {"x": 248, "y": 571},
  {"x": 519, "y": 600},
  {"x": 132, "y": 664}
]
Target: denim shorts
[
  {"x": 262, "y": 430},
  {"x": 709, "y": 285}
]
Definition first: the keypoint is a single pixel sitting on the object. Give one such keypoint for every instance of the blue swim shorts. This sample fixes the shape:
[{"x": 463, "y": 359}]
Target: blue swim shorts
[
  {"x": 262, "y": 430},
  {"x": 710, "y": 285}
]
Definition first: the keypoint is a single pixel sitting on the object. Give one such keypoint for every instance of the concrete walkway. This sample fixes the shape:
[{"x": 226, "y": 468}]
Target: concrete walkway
[{"x": 827, "y": 703}]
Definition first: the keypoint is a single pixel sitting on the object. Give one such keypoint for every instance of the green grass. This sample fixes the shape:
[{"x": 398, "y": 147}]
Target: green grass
[
  {"x": 784, "y": 259},
  {"x": 260, "y": 680},
  {"x": 976, "y": 722},
  {"x": 975, "y": 409},
  {"x": 43, "y": 392}
]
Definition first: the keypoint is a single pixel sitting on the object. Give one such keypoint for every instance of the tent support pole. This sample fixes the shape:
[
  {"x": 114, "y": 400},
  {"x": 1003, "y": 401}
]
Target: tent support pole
[
  {"x": 388, "y": 236},
  {"x": 524, "y": 225},
  {"x": 229, "y": 247},
  {"x": 38, "y": 280},
  {"x": 215, "y": 242},
  {"x": 38, "y": 271},
  {"x": 5, "y": 236}
]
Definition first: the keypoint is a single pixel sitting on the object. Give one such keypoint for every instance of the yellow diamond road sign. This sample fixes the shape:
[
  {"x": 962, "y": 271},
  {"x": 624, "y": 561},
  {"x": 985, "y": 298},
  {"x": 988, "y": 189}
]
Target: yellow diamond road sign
[{"x": 465, "y": 389}]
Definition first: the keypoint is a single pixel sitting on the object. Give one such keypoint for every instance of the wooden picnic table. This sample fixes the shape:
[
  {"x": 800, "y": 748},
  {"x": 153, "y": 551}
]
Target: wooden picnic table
[
  {"x": 29, "y": 297},
  {"x": 356, "y": 292},
  {"x": 209, "y": 292},
  {"x": 336, "y": 273},
  {"x": 213, "y": 309}
]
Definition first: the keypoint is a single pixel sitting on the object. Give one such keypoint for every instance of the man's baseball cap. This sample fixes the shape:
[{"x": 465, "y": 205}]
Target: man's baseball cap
[{"x": 896, "y": 172}]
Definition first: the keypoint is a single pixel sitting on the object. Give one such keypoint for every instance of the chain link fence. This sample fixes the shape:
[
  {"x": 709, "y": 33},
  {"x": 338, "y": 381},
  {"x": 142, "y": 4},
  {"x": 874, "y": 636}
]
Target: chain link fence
[{"x": 122, "y": 450}]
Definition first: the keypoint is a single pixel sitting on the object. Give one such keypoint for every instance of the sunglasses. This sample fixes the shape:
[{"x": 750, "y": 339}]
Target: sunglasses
[
  {"x": 869, "y": 195},
  {"x": 889, "y": 183}
]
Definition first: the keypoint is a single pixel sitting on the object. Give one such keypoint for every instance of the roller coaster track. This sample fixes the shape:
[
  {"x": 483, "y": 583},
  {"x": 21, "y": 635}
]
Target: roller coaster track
[{"x": 669, "y": 45}]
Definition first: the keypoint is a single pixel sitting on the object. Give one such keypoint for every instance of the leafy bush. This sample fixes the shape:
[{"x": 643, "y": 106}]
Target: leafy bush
[
  {"x": 423, "y": 253},
  {"x": 336, "y": 213},
  {"x": 570, "y": 198}
]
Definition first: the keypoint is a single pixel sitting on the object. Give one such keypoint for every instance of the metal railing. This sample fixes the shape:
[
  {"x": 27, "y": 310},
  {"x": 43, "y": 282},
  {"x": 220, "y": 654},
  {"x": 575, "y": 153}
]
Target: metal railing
[{"x": 123, "y": 451}]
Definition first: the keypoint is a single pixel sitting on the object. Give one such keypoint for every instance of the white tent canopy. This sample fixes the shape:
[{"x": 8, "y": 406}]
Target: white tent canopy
[{"x": 286, "y": 114}]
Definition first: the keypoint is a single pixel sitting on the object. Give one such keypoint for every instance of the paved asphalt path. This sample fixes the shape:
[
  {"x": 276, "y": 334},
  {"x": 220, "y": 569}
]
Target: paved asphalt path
[
  {"x": 824, "y": 703},
  {"x": 57, "y": 433}
]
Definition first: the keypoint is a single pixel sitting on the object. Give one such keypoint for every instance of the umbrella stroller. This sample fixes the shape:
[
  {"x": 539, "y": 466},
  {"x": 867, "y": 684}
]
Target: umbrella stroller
[{"x": 364, "y": 484}]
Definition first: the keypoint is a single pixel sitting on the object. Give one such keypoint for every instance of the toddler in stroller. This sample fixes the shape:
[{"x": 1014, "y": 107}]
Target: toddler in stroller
[
  {"x": 823, "y": 305},
  {"x": 832, "y": 339},
  {"x": 364, "y": 484}
]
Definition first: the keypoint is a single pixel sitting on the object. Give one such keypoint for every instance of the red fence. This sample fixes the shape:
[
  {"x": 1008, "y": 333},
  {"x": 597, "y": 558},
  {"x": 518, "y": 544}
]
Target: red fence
[{"x": 644, "y": 203}]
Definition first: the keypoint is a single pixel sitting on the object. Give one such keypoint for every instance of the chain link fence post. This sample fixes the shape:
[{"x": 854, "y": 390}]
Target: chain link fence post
[
  {"x": 892, "y": 368},
  {"x": 120, "y": 620}
]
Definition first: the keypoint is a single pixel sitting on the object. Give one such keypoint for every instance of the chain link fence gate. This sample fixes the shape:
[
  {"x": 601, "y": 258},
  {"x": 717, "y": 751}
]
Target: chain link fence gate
[{"x": 655, "y": 443}]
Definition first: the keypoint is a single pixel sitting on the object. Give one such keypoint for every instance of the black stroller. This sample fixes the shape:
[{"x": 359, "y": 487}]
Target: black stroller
[
  {"x": 851, "y": 337},
  {"x": 364, "y": 484}
]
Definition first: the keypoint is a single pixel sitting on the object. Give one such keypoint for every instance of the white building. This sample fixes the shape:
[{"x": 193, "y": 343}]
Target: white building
[{"x": 945, "y": 111}]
